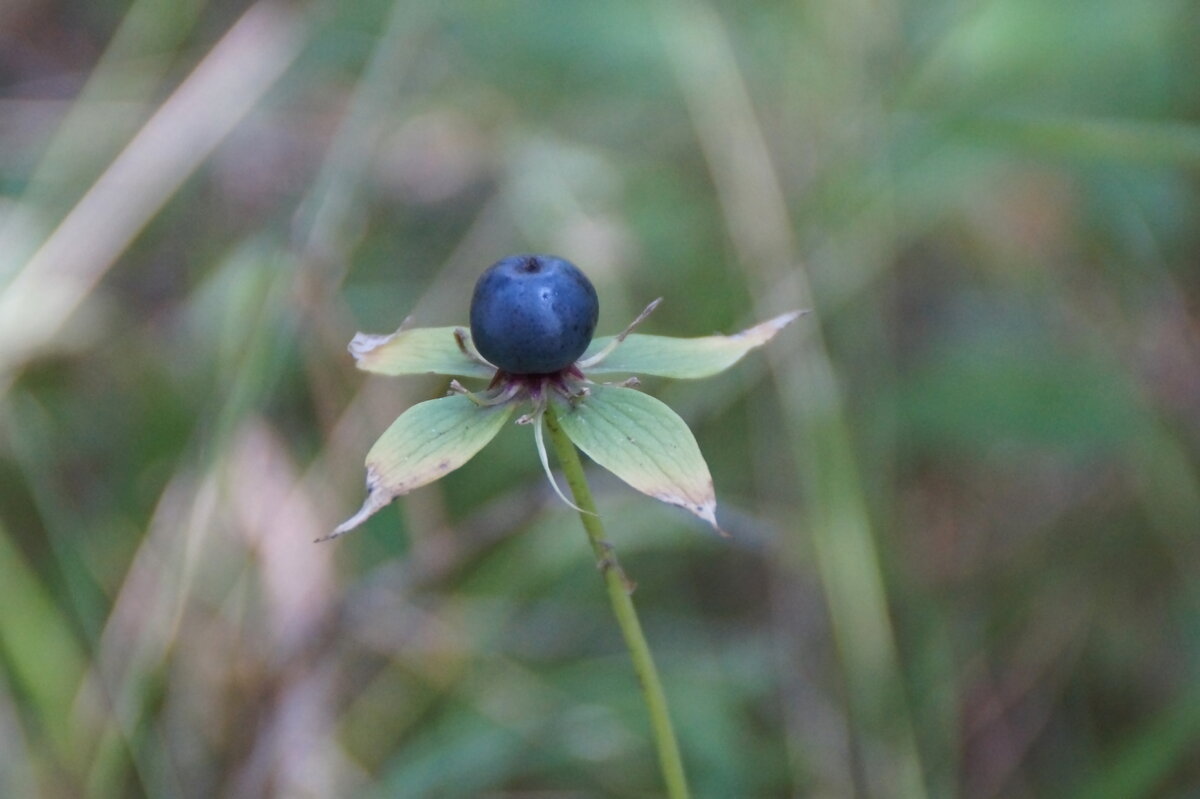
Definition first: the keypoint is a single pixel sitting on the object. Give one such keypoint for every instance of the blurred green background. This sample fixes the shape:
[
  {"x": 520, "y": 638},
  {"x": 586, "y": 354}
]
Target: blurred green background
[{"x": 964, "y": 490}]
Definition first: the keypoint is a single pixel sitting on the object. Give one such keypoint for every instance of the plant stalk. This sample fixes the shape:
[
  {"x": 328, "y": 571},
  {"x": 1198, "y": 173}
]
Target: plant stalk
[{"x": 619, "y": 590}]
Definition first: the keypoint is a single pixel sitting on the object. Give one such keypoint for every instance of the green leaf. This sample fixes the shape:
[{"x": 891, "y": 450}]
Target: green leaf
[
  {"x": 643, "y": 442},
  {"x": 665, "y": 356},
  {"x": 427, "y": 441},
  {"x": 421, "y": 350}
]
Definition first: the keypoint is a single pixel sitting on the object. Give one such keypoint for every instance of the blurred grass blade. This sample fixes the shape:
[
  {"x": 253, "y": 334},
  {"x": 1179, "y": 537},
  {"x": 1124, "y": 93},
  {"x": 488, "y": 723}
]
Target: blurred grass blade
[
  {"x": 225, "y": 87},
  {"x": 1146, "y": 759},
  {"x": 422, "y": 350},
  {"x": 35, "y": 450},
  {"x": 129, "y": 72},
  {"x": 39, "y": 647},
  {"x": 1121, "y": 140},
  {"x": 328, "y": 209},
  {"x": 666, "y": 356},
  {"x": 646, "y": 444},
  {"x": 838, "y": 519},
  {"x": 426, "y": 442}
]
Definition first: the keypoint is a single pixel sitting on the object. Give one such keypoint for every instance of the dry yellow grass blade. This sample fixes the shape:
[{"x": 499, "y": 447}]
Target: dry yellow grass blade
[{"x": 219, "y": 93}]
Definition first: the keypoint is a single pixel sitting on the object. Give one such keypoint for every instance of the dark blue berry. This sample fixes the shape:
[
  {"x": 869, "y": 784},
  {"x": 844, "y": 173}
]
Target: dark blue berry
[{"x": 533, "y": 314}]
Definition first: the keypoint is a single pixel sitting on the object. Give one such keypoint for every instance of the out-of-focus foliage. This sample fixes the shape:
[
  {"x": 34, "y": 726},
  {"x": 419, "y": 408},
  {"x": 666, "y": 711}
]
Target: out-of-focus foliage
[{"x": 964, "y": 491}]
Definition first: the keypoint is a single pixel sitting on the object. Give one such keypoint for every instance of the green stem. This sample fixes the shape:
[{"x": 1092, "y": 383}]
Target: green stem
[{"x": 619, "y": 589}]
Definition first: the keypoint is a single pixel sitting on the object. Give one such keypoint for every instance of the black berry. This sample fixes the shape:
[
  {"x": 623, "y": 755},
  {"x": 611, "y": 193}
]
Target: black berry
[{"x": 533, "y": 314}]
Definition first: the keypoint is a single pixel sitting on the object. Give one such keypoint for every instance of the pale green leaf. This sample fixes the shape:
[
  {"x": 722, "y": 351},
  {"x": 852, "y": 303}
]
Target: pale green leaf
[
  {"x": 421, "y": 350},
  {"x": 643, "y": 442},
  {"x": 427, "y": 441},
  {"x": 665, "y": 356}
]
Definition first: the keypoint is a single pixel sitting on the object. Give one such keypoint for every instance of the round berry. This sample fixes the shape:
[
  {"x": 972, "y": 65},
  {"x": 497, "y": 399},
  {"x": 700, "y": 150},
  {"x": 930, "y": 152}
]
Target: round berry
[{"x": 533, "y": 314}]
